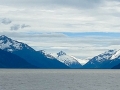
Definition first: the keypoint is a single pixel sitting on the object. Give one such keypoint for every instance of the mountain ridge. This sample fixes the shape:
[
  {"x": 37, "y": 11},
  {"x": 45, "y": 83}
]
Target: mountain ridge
[
  {"x": 29, "y": 54},
  {"x": 103, "y": 60},
  {"x": 41, "y": 59}
]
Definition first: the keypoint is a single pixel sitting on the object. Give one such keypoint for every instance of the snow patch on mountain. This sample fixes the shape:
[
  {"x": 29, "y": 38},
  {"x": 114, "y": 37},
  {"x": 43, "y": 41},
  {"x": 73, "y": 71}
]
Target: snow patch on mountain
[
  {"x": 81, "y": 61},
  {"x": 105, "y": 56},
  {"x": 46, "y": 54},
  {"x": 116, "y": 55},
  {"x": 67, "y": 59},
  {"x": 10, "y": 45}
]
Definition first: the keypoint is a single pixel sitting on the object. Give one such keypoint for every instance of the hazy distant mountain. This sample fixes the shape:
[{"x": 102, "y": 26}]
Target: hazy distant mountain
[
  {"x": 105, "y": 60},
  {"x": 9, "y": 60},
  {"x": 68, "y": 60},
  {"x": 29, "y": 54}
]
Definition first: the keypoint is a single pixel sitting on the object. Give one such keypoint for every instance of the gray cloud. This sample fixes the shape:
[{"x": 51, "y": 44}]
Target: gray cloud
[
  {"x": 24, "y": 26},
  {"x": 6, "y": 21},
  {"x": 75, "y": 3},
  {"x": 35, "y": 36},
  {"x": 18, "y": 26},
  {"x": 58, "y": 3},
  {"x": 15, "y": 27}
]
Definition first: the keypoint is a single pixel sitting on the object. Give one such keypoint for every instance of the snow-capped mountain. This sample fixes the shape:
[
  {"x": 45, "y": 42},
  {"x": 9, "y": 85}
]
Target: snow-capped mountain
[
  {"x": 29, "y": 54},
  {"x": 104, "y": 60},
  {"x": 11, "y": 45},
  {"x": 68, "y": 60},
  {"x": 105, "y": 56}
]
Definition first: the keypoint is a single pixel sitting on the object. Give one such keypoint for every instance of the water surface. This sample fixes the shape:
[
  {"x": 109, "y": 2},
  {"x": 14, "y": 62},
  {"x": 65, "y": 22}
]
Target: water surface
[{"x": 59, "y": 79}]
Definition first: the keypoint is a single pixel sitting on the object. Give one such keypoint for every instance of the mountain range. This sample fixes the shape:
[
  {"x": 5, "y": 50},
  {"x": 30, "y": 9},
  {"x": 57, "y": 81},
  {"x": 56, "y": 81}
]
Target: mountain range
[
  {"x": 63, "y": 58},
  {"x": 15, "y": 54},
  {"x": 106, "y": 60},
  {"x": 29, "y": 54}
]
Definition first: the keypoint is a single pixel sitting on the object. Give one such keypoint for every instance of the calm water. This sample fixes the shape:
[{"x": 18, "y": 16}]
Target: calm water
[{"x": 20, "y": 79}]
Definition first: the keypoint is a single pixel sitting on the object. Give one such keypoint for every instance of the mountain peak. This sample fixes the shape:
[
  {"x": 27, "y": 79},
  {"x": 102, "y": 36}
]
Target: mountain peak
[
  {"x": 3, "y": 37},
  {"x": 61, "y": 53},
  {"x": 110, "y": 52},
  {"x": 68, "y": 60},
  {"x": 10, "y": 45}
]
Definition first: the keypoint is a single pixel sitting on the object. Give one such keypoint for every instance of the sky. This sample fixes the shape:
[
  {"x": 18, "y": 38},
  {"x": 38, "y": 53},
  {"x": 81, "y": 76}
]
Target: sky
[{"x": 82, "y": 28}]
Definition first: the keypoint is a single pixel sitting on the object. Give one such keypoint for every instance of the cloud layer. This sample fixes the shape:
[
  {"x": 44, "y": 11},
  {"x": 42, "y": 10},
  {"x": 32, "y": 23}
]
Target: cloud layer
[
  {"x": 64, "y": 15},
  {"x": 46, "y": 20},
  {"x": 51, "y": 3}
]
